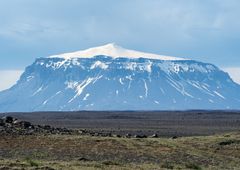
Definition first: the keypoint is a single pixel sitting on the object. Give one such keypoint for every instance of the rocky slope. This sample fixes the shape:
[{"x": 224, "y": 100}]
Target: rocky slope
[{"x": 79, "y": 81}]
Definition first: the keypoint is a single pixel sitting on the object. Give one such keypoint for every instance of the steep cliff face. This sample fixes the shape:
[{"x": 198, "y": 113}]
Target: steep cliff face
[{"x": 87, "y": 81}]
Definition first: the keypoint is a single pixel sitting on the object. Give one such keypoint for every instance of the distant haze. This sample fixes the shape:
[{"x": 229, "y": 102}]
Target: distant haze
[{"x": 9, "y": 78}]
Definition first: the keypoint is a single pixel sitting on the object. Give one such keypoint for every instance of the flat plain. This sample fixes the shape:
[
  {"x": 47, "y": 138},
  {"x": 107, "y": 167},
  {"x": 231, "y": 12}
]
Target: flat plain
[
  {"x": 163, "y": 123},
  {"x": 185, "y": 140}
]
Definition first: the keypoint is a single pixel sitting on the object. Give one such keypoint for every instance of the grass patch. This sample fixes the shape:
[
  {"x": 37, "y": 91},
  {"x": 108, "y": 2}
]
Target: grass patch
[
  {"x": 90, "y": 153},
  {"x": 193, "y": 166},
  {"x": 32, "y": 162},
  {"x": 109, "y": 163},
  {"x": 167, "y": 165}
]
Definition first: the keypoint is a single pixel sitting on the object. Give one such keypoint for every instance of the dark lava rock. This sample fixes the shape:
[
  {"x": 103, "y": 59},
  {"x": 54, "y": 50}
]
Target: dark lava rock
[
  {"x": 44, "y": 168},
  {"x": 23, "y": 124},
  {"x": 229, "y": 142},
  {"x": 117, "y": 136},
  {"x": 128, "y": 135},
  {"x": 83, "y": 159},
  {"x": 2, "y": 122},
  {"x": 8, "y": 119},
  {"x": 5, "y": 168},
  {"x": 154, "y": 136},
  {"x": 140, "y": 136},
  {"x": 47, "y": 127},
  {"x": 109, "y": 135},
  {"x": 11, "y": 126}
]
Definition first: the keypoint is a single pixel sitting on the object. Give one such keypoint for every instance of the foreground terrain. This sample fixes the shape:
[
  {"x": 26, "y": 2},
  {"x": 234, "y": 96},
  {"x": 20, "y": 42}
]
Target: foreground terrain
[
  {"x": 126, "y": 140},
  {"x": 87, "y": 152}
]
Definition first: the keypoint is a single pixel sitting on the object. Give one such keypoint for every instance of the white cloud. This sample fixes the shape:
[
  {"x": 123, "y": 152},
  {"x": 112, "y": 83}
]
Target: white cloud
[
  {"x": 9, "y": 78},
  {"x": 234, "y": 72}
]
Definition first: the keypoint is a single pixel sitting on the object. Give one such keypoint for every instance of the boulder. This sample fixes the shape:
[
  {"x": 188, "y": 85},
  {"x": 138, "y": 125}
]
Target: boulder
[
  {"x": 83, "y": 159},
  {"x": 154, "y": 136},
  {"x": 26, "y": 125},
  {"x": 128, "y": 135},
  {"x": 22, "y": 124},
  {"x": 47, "y": 127},
  {"x": 8, "y": 119},
  {"x": 140, "y": 136},
  {"x": 2, "y": 122}
]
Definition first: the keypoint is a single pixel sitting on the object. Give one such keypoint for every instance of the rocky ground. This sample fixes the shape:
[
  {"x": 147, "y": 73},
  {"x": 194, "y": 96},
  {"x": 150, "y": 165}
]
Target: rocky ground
[
  {"x": 148, "y": 123},
  {"x": 12, "y": 126},
  {"x": 24, "y": 145}
]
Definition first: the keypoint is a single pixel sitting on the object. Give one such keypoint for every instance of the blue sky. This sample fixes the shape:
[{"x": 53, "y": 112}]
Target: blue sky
[{"x": 208, "y": 31}]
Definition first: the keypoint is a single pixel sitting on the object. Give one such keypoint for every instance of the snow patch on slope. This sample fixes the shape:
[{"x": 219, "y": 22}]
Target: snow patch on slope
[
  {"x": 79, "y": 87},
  {"x": 100, "y": 65}
]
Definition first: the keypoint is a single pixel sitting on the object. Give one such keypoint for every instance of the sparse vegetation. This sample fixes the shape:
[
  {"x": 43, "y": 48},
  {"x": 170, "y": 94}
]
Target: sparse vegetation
[
  {"x": 86, "y": 152},
  {"x": 24, "y": 145},
  {"x": 193, "y": 166},
  {"x": 167, "y": 165},
  {"x": 32, "y": 162}
]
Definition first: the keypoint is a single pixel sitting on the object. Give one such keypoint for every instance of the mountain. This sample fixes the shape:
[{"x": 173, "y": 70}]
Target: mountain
[{"x": 113, "y": 78}]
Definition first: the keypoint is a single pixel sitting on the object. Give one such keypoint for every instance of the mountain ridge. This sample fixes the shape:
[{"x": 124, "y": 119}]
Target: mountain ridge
[{"x": 108, "y": 83}]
